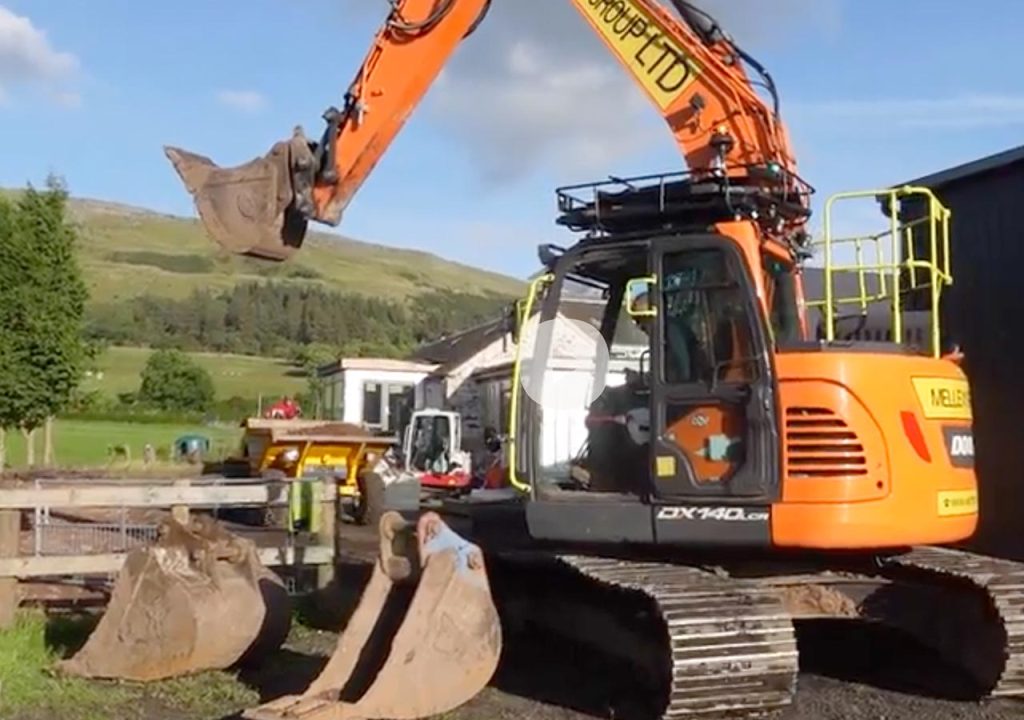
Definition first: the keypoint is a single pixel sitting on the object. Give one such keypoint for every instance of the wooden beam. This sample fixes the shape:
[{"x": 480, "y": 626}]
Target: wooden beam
[
  {"x": 10, "y": 534},
  {"x": 180, "y": 512},
  {"x": 55, "y": 565},
  {"x": 141, "y": 496},
  {"x": 326, "y": 536}
]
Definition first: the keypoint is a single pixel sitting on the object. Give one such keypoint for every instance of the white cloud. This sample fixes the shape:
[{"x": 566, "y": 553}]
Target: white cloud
[
  {"x": 957, "y": 112},
  {"x": 28, "y": 59},
  {"x": 538, "y": 90},
  {"x": 248, "y": 101}
]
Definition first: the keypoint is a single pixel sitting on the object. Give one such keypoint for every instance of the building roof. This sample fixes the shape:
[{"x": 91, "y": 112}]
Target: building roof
[
  {"x": 452, "y": 350},
  {"x": 376, "y": 365},
  {"x": 975, "y": 167}
]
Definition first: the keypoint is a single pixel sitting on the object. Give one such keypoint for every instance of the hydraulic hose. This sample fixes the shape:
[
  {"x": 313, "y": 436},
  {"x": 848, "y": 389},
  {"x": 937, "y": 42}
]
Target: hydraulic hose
[
  {"x": 400, "y": 24},
  {"x": 707, "y": 28},
  {"x": 397, "y": 22}
]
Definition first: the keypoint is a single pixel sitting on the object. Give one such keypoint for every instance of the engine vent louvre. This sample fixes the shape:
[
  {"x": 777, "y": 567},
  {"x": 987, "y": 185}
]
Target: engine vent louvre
[{"x": 819, "y": 444}]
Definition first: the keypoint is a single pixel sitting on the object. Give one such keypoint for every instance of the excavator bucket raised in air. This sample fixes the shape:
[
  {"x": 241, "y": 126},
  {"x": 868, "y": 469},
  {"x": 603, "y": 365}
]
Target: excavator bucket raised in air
[
  {"x": 403, "y": 658},
  {"x": 197, "y": 599},
  {"x": 251, "y": 209}
]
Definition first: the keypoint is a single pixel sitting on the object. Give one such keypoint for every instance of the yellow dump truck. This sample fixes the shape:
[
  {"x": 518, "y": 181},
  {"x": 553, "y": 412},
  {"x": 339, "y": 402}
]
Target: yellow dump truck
[{"x": 287, "y": 449}]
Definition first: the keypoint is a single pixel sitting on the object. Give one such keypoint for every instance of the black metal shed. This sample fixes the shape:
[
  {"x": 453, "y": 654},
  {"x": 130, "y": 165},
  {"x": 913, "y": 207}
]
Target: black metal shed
[{"x": 983, "y": 312}]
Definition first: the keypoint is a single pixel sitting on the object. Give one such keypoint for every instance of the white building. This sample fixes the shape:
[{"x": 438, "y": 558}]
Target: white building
[
  {"x": 470, "y": 372},
  {"x": 375, "y": 392}
]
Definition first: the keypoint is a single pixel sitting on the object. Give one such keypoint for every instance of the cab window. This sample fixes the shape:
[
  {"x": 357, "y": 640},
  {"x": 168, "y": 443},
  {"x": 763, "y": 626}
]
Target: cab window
[{"x": 706, "y": 324}]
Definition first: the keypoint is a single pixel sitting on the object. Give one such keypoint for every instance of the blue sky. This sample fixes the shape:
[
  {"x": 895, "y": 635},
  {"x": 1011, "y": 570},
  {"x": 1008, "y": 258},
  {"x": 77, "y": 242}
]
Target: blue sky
[{"x": 874, "y": 92}]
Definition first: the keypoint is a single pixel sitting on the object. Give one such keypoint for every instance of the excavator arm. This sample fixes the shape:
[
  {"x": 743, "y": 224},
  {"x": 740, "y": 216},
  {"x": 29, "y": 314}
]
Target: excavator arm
[{"x": 692, "y": 72}]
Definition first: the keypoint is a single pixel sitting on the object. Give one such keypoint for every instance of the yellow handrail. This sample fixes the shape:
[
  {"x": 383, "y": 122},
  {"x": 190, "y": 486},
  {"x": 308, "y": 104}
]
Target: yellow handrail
[
  {"x": 513, "y": 405},
  {"x": 936, "y": 220}
]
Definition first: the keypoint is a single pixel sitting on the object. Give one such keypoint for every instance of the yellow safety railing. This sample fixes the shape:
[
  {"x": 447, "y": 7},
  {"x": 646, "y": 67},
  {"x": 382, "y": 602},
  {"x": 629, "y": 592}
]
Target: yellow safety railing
[
  {"x": 524, "y": 310},
  {"x": 889, "y": 262}
]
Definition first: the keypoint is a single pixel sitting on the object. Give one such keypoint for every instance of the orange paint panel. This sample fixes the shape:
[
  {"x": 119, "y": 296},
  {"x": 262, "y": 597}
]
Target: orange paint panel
[
  {"x": 851, "y": 475},
  {"x": 692, "y": 433},
  {"x": 858, "y": 526},
  {"x": 833, "y": 450}
]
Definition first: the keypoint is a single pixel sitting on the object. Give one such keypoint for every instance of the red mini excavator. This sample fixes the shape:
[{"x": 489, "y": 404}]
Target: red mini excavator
[{"x": 757, "y": 475}]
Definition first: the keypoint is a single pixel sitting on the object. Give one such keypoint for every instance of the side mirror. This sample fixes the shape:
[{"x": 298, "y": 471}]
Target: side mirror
[{"x": 638, "y": 297}]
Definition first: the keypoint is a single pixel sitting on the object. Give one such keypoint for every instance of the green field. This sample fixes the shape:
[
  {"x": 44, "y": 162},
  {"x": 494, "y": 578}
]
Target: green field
[
  {"x": 119, "y": 369},
  {"x": 79, "y": 443}
]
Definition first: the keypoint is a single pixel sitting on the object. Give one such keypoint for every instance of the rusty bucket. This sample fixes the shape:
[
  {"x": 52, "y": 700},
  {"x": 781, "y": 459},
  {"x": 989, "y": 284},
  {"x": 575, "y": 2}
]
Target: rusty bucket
[
  {"x": 248, "y": 209},
  {"x": 197, "y": 599},
  {"x": 403, "y": 658}
]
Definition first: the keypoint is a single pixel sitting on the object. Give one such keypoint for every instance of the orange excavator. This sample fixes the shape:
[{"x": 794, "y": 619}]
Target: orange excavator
[{"x": 741, "y": 477}]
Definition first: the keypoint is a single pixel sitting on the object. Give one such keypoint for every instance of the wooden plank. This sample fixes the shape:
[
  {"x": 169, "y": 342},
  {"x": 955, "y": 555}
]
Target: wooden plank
[
  {"x": 326, "y": 537},
  {"x": 10, "y": 531},
  {"x": 311, "y": 555},
  {"x": 28, "y": 567},
  {"x": 141, "y": 496},
  {"x": 180, "y": 512}
]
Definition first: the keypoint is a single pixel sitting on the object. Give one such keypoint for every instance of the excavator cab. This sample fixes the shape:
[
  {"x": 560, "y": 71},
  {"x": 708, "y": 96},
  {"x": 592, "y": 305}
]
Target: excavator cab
[
  {"x": 689, "y": 412},
  {"x": 712, "y": 419}
]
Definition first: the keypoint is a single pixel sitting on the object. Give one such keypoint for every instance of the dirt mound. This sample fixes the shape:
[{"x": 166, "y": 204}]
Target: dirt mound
[{"x": 332, "y": 428}]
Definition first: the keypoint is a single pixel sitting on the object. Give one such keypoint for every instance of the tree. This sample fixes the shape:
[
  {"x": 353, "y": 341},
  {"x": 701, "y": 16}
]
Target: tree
[
  {"x": 171, "y": 381},
  {"x": 8, "y": 288},
  {"x": 42, "y": 305},
  {"x": 311, "y": 358}
]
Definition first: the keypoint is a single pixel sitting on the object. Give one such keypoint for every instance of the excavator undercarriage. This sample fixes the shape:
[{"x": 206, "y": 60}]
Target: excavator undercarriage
[{"x": 715, "y": 634}]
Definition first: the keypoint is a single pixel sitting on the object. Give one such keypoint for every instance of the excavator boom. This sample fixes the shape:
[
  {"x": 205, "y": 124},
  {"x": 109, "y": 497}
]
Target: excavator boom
[{"x": 689, "y": 69}]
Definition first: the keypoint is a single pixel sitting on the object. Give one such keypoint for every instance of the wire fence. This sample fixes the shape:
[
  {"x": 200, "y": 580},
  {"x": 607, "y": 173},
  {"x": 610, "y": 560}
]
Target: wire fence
[
  {"x": 117, "y": 530},
  {"x": 115, "y": 533}
]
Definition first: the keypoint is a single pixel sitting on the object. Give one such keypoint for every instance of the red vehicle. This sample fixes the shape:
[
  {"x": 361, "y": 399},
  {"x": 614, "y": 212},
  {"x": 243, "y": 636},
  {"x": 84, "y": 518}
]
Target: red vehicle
[{"x": 283, "y": 409}]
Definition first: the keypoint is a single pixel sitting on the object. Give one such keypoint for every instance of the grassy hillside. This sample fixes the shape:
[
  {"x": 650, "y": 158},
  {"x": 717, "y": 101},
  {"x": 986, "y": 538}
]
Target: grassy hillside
[
  {"x": 233, "y": 375},
  {"x": 127, "y": 251}
]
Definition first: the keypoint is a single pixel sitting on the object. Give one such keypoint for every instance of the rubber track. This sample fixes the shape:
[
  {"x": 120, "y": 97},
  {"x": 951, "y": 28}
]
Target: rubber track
[
  {"x": 733, "y": 645},
  {"x": 1002, "y": 581}
]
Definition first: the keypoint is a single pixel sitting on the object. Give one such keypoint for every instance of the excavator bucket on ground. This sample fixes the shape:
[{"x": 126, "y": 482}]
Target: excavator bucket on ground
[
  {"x": 197, "y": 599},
  {"x": 403, "y": 657},
  {"x": 251, "y": 209}
]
